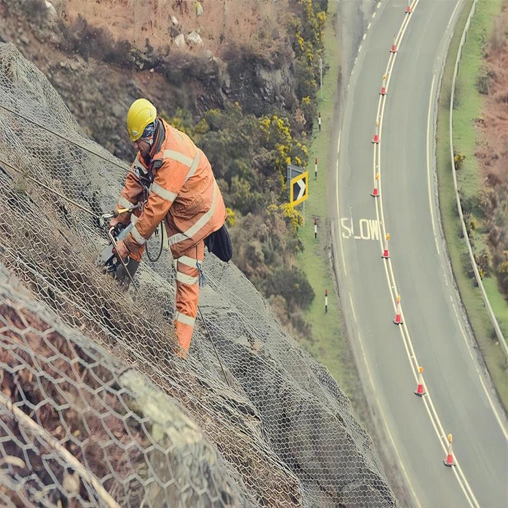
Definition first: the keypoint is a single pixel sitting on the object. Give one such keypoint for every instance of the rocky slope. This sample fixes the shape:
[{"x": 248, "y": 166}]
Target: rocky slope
[{"x": 101, "y": 56}]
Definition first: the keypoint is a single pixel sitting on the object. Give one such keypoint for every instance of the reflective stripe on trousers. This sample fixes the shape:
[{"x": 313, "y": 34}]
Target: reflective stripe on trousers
[{"x": 187, "y": 293}]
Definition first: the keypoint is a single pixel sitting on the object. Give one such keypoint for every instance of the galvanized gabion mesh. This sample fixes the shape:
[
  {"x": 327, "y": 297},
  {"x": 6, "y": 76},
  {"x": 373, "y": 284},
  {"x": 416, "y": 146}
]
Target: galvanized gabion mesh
[{"x": 95, "y": 408}]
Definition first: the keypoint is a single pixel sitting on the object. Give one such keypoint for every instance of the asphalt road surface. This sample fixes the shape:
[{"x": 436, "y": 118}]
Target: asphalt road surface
[{"x": 434, "y": 334}]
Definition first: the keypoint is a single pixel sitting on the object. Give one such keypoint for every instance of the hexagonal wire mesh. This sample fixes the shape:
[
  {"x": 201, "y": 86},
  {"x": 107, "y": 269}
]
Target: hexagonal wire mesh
[{"x": 76, "y": 423}]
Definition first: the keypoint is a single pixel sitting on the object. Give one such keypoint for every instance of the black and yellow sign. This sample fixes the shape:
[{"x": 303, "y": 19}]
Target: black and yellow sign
[{"x": 299, "y": 189}]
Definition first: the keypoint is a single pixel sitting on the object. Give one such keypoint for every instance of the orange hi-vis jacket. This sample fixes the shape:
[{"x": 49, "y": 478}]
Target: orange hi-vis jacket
[{"x": 183, "y": 192}]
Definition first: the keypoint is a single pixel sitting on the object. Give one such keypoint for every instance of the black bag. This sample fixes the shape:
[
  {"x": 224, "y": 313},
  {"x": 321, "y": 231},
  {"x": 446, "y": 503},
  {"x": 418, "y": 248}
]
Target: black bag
[{"x": 219, "y": 243}]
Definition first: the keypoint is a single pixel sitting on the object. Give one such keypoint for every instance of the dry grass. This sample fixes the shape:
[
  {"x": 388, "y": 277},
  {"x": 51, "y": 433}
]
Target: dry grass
[
  {"x": 494, "y": 124},
  {"x": 260, "y": 23}
]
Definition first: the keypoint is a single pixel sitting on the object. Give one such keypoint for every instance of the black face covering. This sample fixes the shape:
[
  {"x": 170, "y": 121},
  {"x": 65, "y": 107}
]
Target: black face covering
[{"x": 156, "y": 140}]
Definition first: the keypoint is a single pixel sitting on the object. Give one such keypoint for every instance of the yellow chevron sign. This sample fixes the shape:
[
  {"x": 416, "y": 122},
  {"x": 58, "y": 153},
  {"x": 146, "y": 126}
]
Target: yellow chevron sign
[{"x": 299, "y": 189}]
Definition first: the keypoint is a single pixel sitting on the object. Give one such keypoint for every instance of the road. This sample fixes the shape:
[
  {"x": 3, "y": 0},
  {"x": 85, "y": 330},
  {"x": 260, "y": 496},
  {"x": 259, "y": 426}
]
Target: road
[{"x": 434, "y": 334}]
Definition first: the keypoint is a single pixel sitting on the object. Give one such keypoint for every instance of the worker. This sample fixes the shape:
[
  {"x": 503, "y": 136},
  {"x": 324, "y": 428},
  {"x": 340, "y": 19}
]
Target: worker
[{"x": 175, "y": 181}]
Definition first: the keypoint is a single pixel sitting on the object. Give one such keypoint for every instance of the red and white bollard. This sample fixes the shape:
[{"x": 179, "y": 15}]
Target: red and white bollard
[
  {"x": 386, "y": 254},
  {"x": 375, "y": 192},
  {"x": 449, "y": 461},
  {"x": 420, "y": 390},
  {"x": 383, "y": 86},
  {"x": 398, "y": 312},
  {"x": 408, "y": 8}
]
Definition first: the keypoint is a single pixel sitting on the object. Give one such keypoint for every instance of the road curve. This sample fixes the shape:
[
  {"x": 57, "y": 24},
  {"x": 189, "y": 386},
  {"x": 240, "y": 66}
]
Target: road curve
[{"x": 434, "y": 333}]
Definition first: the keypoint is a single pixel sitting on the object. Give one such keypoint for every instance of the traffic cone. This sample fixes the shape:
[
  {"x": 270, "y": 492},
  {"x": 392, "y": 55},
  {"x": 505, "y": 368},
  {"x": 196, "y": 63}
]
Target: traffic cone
[
  {"x": 376, "y": 135},
  {"x": 386, "y": 254},
  {"x": 375, "y": 192},
  {"x": 398, "y": 312},
  {"x": 383, "y": 86},
  {"x": 449, "y": 461},
  {"x": 420, "y": 390},
  {"x": 394, "y": 46}
]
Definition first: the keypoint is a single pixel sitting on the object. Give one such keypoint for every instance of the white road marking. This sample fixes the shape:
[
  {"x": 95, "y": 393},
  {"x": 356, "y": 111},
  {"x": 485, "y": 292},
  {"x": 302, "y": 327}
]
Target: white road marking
[
  {"x": 429, "y": 158},
  {"x": 352, "y": 307},
  {"x": 341, "y": 246}
]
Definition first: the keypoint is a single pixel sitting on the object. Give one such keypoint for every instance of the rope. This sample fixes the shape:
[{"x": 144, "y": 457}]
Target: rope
[{"x": 213, "y": 344}]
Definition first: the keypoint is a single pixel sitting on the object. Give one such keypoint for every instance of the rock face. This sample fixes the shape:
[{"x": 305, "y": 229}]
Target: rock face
[{"x": 264, "y": 424}]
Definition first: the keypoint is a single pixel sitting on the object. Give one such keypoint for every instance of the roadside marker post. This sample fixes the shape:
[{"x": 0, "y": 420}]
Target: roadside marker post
[{"x": 326, "y": 301}]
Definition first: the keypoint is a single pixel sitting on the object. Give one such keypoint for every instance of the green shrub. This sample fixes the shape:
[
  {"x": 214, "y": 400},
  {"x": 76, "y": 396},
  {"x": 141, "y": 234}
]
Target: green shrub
[{"x": 292, "y": 285}]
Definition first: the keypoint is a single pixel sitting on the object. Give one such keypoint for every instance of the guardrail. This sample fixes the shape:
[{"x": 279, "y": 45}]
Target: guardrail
[{"x": 493, "y": 319}]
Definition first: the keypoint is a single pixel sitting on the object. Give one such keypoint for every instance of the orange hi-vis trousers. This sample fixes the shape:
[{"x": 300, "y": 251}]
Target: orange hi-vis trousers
[{"x": 187, "y": 293}]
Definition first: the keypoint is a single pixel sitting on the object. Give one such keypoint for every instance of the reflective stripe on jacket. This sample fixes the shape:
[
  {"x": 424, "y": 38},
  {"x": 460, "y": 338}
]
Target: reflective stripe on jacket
[{"x": 183, "y": 193}]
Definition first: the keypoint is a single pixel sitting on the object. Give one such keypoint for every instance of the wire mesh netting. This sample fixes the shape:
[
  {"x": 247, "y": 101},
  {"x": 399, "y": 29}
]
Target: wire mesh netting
[{"x": 95, "y": 407}]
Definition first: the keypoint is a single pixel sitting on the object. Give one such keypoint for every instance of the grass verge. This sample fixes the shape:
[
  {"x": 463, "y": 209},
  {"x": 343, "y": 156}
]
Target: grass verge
[{"x": 329, "y": 343}]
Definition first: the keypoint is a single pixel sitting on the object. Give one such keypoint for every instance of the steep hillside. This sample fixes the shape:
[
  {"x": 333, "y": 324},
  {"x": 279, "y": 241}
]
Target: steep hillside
[
  {"x": 263, "y": 425},
  {"x": 94, "y": 55},
  {"x": 492, "y": 149},
  {"x": 219, "y": 23},
  {"x": 248, "y": 98}
]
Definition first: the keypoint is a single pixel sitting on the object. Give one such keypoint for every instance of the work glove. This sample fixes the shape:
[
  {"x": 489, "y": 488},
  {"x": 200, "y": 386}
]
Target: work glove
[{"x": 117, "y": 227}]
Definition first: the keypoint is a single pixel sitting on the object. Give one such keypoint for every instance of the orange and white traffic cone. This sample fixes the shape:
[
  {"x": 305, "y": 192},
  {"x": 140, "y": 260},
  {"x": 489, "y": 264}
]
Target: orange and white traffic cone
[
  {"x": 420, "y": 390},
  {"x": 375, "y": 192},
  {"x": 449, "y": 461},
  {"x": 398, "y": 312},
  {"x": 393, "y": 49},
  {"x": 383, "y": 86},
  {"x": 376, "y": 135},
  {"x": 386, "y": 254}
]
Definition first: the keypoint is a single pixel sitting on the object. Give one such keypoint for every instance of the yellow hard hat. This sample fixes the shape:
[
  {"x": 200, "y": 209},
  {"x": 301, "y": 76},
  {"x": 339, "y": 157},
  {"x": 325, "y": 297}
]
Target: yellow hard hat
[{"x": 141, "y": 113}]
